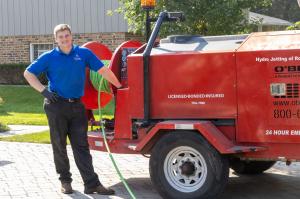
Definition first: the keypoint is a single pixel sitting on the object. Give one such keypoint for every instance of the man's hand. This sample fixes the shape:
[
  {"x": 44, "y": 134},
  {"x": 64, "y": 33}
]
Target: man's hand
[
  {"x": 52, "y": 97},
  {"x": 109, "y": 76}
]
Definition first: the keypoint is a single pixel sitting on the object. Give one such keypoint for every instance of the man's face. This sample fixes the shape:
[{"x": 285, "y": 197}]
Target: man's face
[{"x": 64, "y": 39}]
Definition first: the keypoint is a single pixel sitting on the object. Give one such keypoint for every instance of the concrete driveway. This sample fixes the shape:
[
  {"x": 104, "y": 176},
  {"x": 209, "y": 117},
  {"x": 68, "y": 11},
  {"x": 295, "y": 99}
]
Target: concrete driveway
[{"x": 27, "y": 171}]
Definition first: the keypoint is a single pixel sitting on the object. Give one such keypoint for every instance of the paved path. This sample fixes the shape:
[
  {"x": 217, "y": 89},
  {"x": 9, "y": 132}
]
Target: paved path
[
  {"x": 23, "y": 129},
  {"x": 27, "y": 171}
]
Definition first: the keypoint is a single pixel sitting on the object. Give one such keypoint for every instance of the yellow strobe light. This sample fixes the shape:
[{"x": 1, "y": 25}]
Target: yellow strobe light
[{"x": 148, "y": 4}]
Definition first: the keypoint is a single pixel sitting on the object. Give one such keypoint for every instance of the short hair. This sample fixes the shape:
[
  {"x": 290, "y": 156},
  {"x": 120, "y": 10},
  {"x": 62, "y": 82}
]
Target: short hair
[{"x": 61, "y": 27}]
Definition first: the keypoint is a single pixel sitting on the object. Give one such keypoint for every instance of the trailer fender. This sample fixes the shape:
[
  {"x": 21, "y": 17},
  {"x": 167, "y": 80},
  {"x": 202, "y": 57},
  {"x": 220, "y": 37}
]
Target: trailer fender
[{"x": 206, "y": 128}]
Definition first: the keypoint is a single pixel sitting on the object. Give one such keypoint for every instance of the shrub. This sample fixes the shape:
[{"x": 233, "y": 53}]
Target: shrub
[
  {"x": 12, "y": 74},
  {"x": 3, "y": 127},
  {"x": 295, "y": 26}
]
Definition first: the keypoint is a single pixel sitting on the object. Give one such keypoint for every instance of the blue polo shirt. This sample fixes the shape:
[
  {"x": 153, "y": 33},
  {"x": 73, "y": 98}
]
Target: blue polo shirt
[{"x": 66, "y": 72}]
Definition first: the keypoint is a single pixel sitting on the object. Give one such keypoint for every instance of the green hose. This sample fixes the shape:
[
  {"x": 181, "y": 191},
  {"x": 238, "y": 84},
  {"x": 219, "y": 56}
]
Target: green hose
[
  {"x": 96, "y": 78},
  {"x": 108, "y": 149}
]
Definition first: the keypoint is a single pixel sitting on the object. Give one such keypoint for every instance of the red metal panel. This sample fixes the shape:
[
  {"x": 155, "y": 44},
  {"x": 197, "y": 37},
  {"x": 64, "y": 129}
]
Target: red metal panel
[
  {"x": 189, "y": 85},
  {"x": 228, "y": 131},
  {"x": 261, "y": 116},
  {"x": 208, "y": 130},
  {"x": 123, "y": 146},
  {"x": 276, "y": 151},
  {"x": 123, "y": 128},
  {"x": 152, "y": 132},
  {"x": 193, "y": 85},
  {"x": 135, "y": 84}
]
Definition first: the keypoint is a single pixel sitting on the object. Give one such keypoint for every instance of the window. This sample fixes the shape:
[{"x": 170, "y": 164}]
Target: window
[
  {"x": 37, "y": 49},
  {"x": 278, "y": 89}
]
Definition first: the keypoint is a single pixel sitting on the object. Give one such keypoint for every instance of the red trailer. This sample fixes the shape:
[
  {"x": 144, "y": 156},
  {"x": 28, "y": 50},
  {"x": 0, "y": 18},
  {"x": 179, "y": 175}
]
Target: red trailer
[{"x": 202, "y": 105}]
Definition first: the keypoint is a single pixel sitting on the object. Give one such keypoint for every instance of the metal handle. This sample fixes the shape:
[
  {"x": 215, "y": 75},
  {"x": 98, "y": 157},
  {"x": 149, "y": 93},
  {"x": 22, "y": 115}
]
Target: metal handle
[{"x": 175, "y": 16}]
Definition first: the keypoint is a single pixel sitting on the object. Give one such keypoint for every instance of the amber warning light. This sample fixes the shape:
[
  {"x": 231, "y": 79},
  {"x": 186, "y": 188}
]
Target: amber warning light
[{"x": 148, "y": 4}]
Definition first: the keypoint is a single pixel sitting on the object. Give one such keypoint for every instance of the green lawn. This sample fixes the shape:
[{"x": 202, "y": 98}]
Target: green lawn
[
  {"x": 24, "y": 105},
  {"x": 42, "y": 137},
  {"x": 21, "y": 105}
]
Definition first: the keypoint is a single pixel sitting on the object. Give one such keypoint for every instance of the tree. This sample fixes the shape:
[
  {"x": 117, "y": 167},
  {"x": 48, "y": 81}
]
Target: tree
[{"x": 203, "y": 17}]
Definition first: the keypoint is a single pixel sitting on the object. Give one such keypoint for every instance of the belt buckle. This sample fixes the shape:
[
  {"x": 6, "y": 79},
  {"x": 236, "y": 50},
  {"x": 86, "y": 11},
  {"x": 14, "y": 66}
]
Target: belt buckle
[{"x": 71, "y": 100}]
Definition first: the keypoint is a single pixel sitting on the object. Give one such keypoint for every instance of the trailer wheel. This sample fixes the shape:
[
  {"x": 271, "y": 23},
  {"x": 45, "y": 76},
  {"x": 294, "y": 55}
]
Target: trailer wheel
[
  {"x": 184, "y": 166},
  {"x": 250, "y": 167}
]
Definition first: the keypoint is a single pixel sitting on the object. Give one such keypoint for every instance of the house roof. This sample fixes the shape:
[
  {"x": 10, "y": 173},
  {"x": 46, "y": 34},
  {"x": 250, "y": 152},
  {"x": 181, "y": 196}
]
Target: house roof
[{"x": 267, "y": 20}]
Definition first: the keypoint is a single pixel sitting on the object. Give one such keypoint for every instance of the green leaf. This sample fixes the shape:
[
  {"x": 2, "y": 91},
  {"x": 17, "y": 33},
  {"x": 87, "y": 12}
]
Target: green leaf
[{"x": 205, "y": 17}]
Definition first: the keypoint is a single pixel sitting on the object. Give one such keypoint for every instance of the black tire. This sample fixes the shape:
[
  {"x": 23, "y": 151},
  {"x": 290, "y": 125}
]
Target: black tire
[
  {"x": 250, "y": 167},
  {"x": 208, "y": 184}
]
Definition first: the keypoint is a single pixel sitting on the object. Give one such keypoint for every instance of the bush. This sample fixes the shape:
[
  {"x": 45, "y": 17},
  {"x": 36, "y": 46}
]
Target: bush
[
  {"x": 3, "y": 127},
  {"x": 295, "y": 26},
  {"x": 12, "y": 74}
]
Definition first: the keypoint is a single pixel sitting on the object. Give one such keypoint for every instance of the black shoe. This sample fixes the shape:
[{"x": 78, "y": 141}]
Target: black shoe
[
  {"x": 100, "y": 190},
  {"x": 66, "y": 188}
]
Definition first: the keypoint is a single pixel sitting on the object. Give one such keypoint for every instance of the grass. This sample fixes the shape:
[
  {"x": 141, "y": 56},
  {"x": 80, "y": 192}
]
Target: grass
[
  {"x": 24, "y": 105},
  {"x": 21, "y": 105},
  {"x": 42, "y": 137}
]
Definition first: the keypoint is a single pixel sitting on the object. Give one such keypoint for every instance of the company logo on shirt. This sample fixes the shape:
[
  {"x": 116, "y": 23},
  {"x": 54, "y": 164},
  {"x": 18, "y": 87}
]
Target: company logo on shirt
[{"x": 77, "y": 58}]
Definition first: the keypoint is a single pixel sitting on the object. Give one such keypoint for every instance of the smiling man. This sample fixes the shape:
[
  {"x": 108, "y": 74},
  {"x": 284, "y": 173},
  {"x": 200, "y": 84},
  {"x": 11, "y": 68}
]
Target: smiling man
[{"x": 65, "y": 70}]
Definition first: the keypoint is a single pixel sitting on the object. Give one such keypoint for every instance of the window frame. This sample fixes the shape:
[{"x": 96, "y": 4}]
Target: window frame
[{"x": 31, "y": 48}]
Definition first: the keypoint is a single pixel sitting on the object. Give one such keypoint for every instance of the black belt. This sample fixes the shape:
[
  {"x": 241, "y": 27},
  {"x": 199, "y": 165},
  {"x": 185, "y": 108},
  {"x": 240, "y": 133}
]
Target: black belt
[{"x": 71, "y": 100}]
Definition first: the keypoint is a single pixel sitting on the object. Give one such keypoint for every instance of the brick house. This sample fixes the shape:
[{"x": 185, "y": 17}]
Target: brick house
[{"x": 26, "y": 26}]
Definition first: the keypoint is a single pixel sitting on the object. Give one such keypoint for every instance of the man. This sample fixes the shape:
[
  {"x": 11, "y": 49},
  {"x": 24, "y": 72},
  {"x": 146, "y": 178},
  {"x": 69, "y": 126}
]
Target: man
[{"x": 65, "y": 70}]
